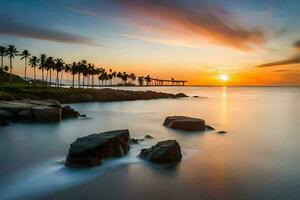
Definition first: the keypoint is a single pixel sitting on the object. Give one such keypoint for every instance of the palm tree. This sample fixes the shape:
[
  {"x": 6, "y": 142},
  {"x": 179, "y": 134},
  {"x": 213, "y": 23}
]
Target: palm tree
[
  {"x": 11, "y": 52},
  {"x": 74, "y": 71},
  {"x": 3, "y": 52},
  {"x": 49, "y": 65},
  {"x": 125, "y": 77},
  {"x": 59, "y": 65},
  {"x": 42, "y": 67},
  {"x": 148, "y": 80},
  {"x": 33, "y": 61},
  {"x": 67, "y": 69},
  {"x": 141, "y": 80},
  {"x": 132, "y": 77},
  {"x": 25, "y": 55}
]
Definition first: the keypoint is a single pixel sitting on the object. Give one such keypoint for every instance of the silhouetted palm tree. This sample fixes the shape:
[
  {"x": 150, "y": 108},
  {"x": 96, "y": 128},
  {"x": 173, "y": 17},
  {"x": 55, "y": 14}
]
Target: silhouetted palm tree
[
  {"x": 11, "y": 52},
  {"x": 74, "y": 71},
  {"x": 132, "y": 77},
  {"x": 125, "y": 77},
  {"x": 3, "y": 53},
  {"x": 67, "y": 69},
  {"x": 59, "y": 66},
  {"x": 25, "y": 55},
  {"x": 141, "y": 80},
  {"x": 33, "y": 61},
  {"x": 148, "y": 80},
  {"x": 42, "y": 67},
  {"x": 49, "y": 65}
]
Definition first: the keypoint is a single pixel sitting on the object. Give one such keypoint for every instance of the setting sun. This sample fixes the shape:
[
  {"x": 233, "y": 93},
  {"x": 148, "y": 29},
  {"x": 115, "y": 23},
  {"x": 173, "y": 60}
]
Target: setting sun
[{"x": 224, "y": 77}]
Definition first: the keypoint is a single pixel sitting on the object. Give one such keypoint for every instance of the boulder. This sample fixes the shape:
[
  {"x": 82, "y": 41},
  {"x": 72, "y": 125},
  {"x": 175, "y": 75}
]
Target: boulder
[
  {"x": 68, "y": 112},
  {"x": 4, "y": 114},
  {"x": 89, "y": 151},
  {"x": 25, "y": 114},
  {"x": 46, "y": 114},
  {"x": 179, "y": 95},
  {"x": 185, "y": 123},
  {"x": 165, "y": 152}
]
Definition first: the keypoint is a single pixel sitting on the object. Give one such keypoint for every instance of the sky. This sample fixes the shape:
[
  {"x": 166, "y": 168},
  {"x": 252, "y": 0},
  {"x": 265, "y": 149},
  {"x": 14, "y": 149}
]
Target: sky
[{"x": 254, "y": 42}]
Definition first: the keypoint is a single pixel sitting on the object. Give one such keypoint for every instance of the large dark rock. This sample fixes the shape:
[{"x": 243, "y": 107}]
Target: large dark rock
[
  {"x": 164, "y": 152},
  {"x": 89, "y": 151},
  {"x": 46, "y": 114},
  {"x": 68, "y": 112},
  {"x": 185, "y": 123}
]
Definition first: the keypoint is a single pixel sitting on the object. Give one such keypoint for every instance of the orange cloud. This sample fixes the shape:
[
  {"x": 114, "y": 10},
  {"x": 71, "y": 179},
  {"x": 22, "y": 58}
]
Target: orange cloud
[{"x": 205, "y": 22}]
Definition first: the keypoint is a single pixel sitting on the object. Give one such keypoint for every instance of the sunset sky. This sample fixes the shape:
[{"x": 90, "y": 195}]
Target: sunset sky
[{"x": 254, "y": 42}]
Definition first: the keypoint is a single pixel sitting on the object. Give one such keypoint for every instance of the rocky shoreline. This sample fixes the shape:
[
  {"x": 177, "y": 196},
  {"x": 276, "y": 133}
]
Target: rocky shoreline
[
  {"x": 79, "y": 95},
  {"x": 34, "y": 111}
]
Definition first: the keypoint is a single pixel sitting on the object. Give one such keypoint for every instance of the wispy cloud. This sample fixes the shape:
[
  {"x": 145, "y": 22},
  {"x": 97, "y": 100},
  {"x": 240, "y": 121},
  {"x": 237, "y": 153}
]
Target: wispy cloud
[
  {"x": 11, "y": 27},
  {"x": 212, "y": 23},
  {"x": 297, "y": 45},
  {"x": 292, "y": 60},
  {"x": 286, "y": 70}
]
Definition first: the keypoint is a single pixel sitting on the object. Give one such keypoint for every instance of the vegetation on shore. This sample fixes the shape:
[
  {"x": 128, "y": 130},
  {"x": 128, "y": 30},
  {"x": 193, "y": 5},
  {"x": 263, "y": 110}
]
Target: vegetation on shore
[
  {"x": 17, "y": 91},
  {"x": 84, "y": 72}
]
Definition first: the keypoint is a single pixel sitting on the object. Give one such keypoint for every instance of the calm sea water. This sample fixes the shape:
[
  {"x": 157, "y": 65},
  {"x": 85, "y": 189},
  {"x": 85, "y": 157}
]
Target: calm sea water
[{"x": 257, "y": 159}]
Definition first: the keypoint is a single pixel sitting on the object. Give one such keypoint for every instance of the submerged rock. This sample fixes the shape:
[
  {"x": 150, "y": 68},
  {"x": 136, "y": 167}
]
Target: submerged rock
[
  {"x": 89, "y": 151},
  {"x": 179, "y": 95},
  {"x": 221, "y": 132},
  {"x": 68, "y": 112},
  {"x": 185, "y": 123},
  {"x": 148, "y": 137},
  {"x": 209, "y": 128},
  {"x": 136, "y": 141},
  {"x": 164, "y": 152}
]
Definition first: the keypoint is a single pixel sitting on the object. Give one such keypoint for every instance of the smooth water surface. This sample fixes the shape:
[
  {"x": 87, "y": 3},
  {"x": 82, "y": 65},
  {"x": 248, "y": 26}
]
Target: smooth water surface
[{"x": 257, "y": 159}]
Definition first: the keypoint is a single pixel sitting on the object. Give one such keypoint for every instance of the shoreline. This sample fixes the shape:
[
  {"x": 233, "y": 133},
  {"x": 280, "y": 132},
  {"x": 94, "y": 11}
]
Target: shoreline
[{"x": 78, "y": 95}]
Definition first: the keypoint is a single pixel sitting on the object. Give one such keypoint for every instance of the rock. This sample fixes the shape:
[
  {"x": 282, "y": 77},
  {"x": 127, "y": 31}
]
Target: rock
[
  {"x": 221, "y": 132},
  {"x": 25, "y": 114},
  {"x": 3, "y": 123},
  {"x": 5, "y": 114},
  {"x": 209, "y": 128},
  {"x": 179, "y": 95},
  {"x": 89, "y": 151},
  {"x": 46, "y": 114},
  {"x": 68, "y": 112},
  {"x": 164, "y": 152},
  {"x": 185, "y": 123},
  {"x": 136, "y": 141},
  {"x": 148, "y": 137},
  {"x": 84, "y": 116},
  {"x": 196, "y": 97}
]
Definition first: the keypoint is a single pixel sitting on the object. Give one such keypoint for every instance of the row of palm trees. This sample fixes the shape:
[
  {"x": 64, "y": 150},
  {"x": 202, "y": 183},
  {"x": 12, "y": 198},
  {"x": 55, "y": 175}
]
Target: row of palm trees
[{"x": 85, "y": 72}]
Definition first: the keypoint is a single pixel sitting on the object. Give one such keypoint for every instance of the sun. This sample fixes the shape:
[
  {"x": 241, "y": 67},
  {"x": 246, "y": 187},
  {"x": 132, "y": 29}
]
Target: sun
[{"x": 224, "y": 77}]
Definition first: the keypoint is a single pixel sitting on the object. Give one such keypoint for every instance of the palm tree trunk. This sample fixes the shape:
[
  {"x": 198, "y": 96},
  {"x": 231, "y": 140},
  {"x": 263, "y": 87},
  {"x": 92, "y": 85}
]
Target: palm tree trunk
[
  {"x": 34, "y": 73},
  {"x": 73, "y": 80},
  {"x": 79, "y": 80},
  {"x": 25, "y": 69},
  {"x": 43, "y": 74},
  {"x": 57, "y": 79},
  {"x": 10, "y": 62},
  {"x": 50, "y": 76},
  {"x": 61, "y": 75}
]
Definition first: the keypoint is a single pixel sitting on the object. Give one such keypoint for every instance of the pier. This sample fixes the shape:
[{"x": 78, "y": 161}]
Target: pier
[{"x": 164, "y": 82}]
